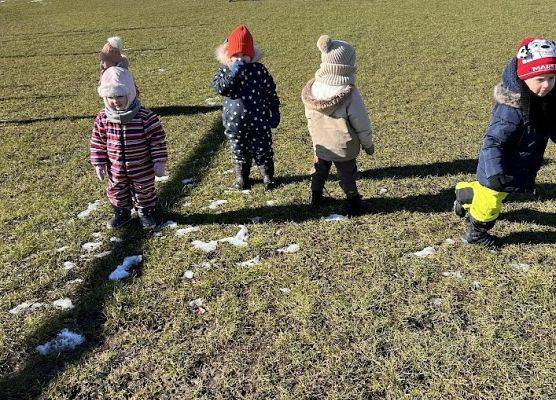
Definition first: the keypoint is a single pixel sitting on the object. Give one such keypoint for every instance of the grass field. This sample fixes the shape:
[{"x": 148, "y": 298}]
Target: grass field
[{"x": 348, "y": 316}]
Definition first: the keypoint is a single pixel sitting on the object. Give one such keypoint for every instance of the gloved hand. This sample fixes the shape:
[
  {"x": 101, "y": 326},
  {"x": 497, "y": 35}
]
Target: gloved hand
[
  {"x": 275, "y": 119},
  {"x": 370, "y": 150},
  {"x": 237, "y": 66},
  {"x": 159, "y": 168},
  {"x": 101, "y": 171},
  {"x": 499, "y": 182}
]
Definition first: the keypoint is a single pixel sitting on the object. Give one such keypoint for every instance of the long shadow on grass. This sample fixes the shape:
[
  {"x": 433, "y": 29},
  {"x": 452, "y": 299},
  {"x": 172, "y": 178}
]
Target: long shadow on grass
[
  {"x": 426, "y": 203},
  {"x": 88, "y": 316},
  {"x": 465, "y": 166},
  {"x": 162, "y": 111}
]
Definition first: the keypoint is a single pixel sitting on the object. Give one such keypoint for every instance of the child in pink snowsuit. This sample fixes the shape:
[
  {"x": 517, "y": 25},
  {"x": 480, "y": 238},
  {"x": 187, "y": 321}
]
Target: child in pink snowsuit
[{"x": 129, "y": 145}]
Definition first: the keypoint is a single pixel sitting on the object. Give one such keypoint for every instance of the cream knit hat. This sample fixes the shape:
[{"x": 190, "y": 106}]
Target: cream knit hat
[{"x": 337, "y": 62}]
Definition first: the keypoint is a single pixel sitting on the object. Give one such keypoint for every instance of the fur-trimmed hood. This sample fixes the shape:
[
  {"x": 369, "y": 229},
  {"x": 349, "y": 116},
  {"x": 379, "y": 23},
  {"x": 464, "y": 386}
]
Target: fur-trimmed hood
[
  {"x": 507, "y": 96},
  {"x": 508, "y": 92},
  {"x": 325, "y": 105},
  {"x": 223, "y": 59}
]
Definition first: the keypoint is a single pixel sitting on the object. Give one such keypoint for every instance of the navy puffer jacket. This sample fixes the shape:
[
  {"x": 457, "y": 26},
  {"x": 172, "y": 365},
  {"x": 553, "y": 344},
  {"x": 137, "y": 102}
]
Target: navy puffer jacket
[{"x": 512, "y": 146}]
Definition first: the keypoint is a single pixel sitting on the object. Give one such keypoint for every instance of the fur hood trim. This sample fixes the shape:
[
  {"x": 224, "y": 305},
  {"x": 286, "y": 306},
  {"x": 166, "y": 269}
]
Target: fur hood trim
[
  {"x": 223, "y": 59},
  {"x": 505, "y": 96},
  {"x": 325, "y": 104}
]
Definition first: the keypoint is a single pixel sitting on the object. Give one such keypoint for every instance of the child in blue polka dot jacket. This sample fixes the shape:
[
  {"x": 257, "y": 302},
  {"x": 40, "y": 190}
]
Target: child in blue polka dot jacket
[{"x": 251, "y": 106}]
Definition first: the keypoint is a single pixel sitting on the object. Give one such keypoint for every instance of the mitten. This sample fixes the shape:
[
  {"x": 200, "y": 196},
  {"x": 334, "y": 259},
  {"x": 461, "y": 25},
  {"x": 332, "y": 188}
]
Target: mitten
[
  {"x": 499, "y": 182},
  {"x": 101, "y": 171},
  {"x": 370, "y": 150},
  {"x": 159, "y": 168},
  {"x": 275, "y": 119},
  {"x": 237, "y": 66}
]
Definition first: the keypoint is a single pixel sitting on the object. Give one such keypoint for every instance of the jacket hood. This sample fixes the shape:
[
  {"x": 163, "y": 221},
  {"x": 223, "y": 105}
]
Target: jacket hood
[
  {"x": 223, "y": 58},
  {"x": 325, "y": 105},
  {"x": 508, "y": 91}
]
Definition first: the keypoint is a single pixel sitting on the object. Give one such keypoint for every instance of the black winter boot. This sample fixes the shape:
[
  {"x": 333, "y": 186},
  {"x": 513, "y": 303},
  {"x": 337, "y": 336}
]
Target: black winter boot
[
  {"x": 242, "y": 172},
  {"x": 353, "y": 203},
  {"x": 146, "y": 216},
  {"x": 316, "y": 198},
  {"x": 267, "y": 172},
  {"x": 477, "y": 233},
  {"x": 121, "y": 217}
]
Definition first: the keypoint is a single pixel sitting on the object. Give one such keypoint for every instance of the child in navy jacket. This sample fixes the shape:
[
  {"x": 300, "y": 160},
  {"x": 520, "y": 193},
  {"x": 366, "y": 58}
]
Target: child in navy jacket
[
  {"x": 523, "y": 119},
  {"x": 251, "y": 106}
]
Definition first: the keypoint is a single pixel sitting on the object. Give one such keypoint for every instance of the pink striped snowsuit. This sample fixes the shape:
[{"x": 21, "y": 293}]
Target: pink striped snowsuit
[{"x": 129, "y": 150}]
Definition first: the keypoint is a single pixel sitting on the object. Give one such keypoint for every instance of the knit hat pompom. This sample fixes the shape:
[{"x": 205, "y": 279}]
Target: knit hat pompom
[
  {"x": 536, "y": 56},
  {"x": 115, "y": 41},
  {"x": 323, "y": 44}
]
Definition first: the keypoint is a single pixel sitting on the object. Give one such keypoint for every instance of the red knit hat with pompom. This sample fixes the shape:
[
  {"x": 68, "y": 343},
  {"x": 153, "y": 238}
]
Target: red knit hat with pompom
[
  {"x": 536, "y": 56},
  {"x": 240, "y": 41}
]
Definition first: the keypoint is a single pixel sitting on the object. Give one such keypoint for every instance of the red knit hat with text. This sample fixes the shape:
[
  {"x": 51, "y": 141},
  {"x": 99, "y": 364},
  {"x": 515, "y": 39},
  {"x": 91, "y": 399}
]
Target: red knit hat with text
[
  {"x": 240, "y": 41},
  {"x": 536, "y": 56}
]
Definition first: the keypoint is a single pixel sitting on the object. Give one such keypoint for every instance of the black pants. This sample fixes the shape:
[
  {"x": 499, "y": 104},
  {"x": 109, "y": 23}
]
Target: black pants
[{"x": 346, "y": 169}]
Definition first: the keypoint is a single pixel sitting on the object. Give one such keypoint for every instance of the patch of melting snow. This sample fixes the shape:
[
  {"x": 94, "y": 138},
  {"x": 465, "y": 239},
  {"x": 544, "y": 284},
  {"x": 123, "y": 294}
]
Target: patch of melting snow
[
  {"x": 63, "y": 304},
  {"x": 184, "y": 231},
  {"x": 26, "y": 306},
  {"x": 476, "y": 285},
  {"x": 212, "y": 101},
  {"x": 450, "y": 241},
  {"x": 161, "y": 178},
  {"x": 427, "y": 251},
  {"x": 122, "y": 270},
  {"x": 240, "y": 239},
  {"x": 97, "y": 235},
  {"x": 91, "y": 246},
  {"x": 382, "y": 191},
  {"x": 188, "y": 274},
  {"x": 521, "y": 266},
  {"x": 217, "y": 203},
  {"x": 228, "y": 171},
  {"x": 161, "y": 70},
  {"x": 436, "y": 301},
  {"x": 336, "y": 217},
  {"x": 188, "y": 181},
  {"x": 169, "y": 224},
  {"x": 115, "y": 239},
  {"x": 65, "y": 340},
  {"x": 90, "y": 208},
  {"x": 68, "y": 265},
  {"x": 270, "y": 203},
  {"x": 207, "y": 247},
  {"x": 196, "y": 303},
  {"x": 285, "y": 290},
  {"x": 103, "y": 254},
  {"x": 453, "y": 274},
  {"x": 250, "y": 263},
  {"x": 292, "y": 248},
  {"x": 62, "y": 249},
  {"x": 75, "y": 281}
]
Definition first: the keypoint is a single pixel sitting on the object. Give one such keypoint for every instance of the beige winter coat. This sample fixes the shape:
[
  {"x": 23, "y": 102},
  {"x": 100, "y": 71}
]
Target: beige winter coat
[{"x": 339, "y": 126}]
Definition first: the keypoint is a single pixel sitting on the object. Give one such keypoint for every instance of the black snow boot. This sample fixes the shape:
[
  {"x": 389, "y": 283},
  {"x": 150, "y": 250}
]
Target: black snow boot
[
  {"x": 354, "y": 205},
  {"x": 316, "y": 198},
  {"x": 146, "y": 216},
  {"x": 477, "y": 233},
  {"x": 267, "y": 173},
  {"x": 242, "y": 172},
  {"x": 121, "y": 217}
]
